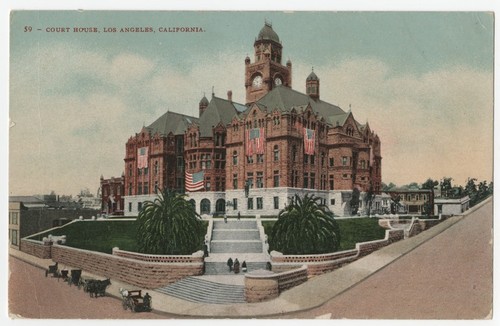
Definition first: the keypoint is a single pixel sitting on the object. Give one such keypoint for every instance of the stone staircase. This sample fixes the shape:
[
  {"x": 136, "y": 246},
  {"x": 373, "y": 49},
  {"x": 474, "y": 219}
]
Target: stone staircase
[
  {"x": 201, "y": 290},
  {"x": 235, "y": 237},
  {"x": 236, "y": 240}
]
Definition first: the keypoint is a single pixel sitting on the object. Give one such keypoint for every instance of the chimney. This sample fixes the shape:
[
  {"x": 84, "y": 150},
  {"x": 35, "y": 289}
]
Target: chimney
[{"x": 230, "y": 95}]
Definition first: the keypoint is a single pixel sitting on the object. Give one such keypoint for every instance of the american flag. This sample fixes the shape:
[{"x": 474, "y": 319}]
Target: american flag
[
  {"x": 255, "y": 141},
  {"x": 194, "y": 181},
  {"x": 309, "y": 140},
  {"x": 142, "y": 157}
]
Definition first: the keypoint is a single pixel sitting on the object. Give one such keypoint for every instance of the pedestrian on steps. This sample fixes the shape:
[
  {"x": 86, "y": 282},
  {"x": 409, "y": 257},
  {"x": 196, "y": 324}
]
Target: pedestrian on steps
[
  {"x": 230, "y": 264},
  {"x": 239, "y": 216},
  {"x": 236, "y": 266}
]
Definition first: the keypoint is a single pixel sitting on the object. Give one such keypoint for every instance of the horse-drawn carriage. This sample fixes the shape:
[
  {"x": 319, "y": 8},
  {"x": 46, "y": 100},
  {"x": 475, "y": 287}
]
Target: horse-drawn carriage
[
  {"x": 133, "y": 300},
  {"x": 53, "y": 269}
]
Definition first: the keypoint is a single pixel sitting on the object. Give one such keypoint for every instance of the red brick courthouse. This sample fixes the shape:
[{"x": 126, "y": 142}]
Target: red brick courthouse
[{"x": 252, "y": 157}]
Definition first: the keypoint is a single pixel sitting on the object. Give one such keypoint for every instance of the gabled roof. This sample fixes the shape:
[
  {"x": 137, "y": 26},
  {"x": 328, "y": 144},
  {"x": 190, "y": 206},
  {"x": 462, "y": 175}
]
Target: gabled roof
[
  {"x": 284, "y": 99},
  {"x": 219, "y": 110},
  {"x": 171, "y": 122}
]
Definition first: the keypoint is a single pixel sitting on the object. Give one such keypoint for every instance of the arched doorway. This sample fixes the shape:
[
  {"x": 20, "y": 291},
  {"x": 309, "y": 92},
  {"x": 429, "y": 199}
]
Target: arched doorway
[
  {"x": 192, "y": 202},
  {"x": 220, "y": 206},
  {"x": 205, "y": 206}
]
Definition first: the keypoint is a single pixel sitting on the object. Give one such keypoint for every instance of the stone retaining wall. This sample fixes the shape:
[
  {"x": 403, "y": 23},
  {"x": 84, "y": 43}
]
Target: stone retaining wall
[
  {"x": 36, "y": 248},
  {"x": 265, "y": 285},
  {"x": 140, "y": 273},
  {"x": 194, "y": 258}
]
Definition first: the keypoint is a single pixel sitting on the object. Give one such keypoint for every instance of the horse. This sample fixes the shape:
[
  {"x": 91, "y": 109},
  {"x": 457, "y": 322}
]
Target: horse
[{"x": 97, "y": 287}]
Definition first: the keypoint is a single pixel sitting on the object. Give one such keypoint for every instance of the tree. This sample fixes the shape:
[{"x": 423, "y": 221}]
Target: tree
[
  {"x": 446, "y": 186},
  {"x": 354, "y": 201},
  {"x": 369, "y": 199},
  {"x": 305, "y": 227},
  {"x": 169, "y": 225},
  {"x": 429, "y": 184},
  {"x": 388, "y": 187}
]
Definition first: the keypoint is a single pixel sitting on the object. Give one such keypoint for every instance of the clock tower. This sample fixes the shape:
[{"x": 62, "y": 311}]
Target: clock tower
[{"x": 266, "y": 72}]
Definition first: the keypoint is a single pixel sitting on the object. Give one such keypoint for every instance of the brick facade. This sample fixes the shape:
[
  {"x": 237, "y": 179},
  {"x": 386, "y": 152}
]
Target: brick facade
[
  {"x": 346, "y": 154},
  {"x": 112, "y": 192}
]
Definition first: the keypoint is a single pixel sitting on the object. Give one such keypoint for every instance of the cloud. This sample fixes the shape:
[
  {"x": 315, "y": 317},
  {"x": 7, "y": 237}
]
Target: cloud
[
  {"x": 75, "y": 108},
  {"x": 435, "y": 124}
]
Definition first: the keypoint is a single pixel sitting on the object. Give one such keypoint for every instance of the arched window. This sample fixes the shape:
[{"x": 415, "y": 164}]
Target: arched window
[
  {"x": 205, "y": 206},
  {"x": 294, "y": 153},
  {"x": 276, "y": 153},
  {"x": 220, "y": 206},
  {"x": 235, "y": 158}
]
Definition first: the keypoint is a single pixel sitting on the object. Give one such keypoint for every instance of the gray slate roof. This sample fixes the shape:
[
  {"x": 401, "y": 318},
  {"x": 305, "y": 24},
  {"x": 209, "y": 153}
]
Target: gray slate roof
[
  {"x": 284, "y": 99},
  {"x": 218, "y": 110},
  {"x": 171, "y": 122}
]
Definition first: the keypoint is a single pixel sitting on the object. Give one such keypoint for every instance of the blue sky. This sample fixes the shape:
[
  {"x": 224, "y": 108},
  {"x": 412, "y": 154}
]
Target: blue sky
[{"x": 424, "y": 82}]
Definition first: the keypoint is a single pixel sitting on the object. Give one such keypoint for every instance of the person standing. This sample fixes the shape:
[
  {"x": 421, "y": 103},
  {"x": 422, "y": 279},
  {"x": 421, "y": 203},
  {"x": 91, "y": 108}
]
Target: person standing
[{"x": 239, "y": 216}]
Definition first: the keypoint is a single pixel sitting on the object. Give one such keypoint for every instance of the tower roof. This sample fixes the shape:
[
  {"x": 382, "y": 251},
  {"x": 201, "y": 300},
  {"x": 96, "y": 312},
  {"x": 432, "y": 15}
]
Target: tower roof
[
  {"x": 204, "y": 101},
  {"x": 267, "y": 33},
  {"x": 312, "y": 76}
]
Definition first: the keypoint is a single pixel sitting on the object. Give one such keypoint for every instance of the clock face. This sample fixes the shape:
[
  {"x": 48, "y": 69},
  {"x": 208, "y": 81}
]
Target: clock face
[
  {"x": 277, "y": 81},
  {"x": 257, "y": 82}
]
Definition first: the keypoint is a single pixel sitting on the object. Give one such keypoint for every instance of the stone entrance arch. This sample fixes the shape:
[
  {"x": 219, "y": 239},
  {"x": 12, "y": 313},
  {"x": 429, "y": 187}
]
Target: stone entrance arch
[
  {"x": 220, "y": 206},
  {"x": 205, "y": 206}
]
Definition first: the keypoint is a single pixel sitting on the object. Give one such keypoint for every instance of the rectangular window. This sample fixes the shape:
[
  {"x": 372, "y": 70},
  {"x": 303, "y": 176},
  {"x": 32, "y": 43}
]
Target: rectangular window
[
  {"x": 312, "y": 158},
  {"x": 331, "y": 161},
  {"x": 260, "y": 203},
  {"x": 235, "y": 203},
  {"x": 313, "y": 180},
  {"x": 250, "y": 179},
  {"x": 235, "y": 181},
  {"x": 259, "y": 180},
  {"x": 129, "y": 207},
  {"x": 179, "y": 183},
  {"x": 145, "y": 171},
  {"x": 260, "y": 158},
  {"x": 146, "y": 188},
  {"x": 276, "y": 179},
  {"x": 331, "y": 182},
  {"x": 139, "y": 171},
  {"x": 276, "y": 201},
  {"x": 250, "y": 203},
  {"x": 332, "y": 201},
  {"x": 306, "y": 158},
  {"x": 306, "y": 180},
  {"x": 130, "y": 189},
  {"x": 15, "y": 217},
  {"x": 250, "y": 159},
  {"x": 139, "y": 188},
  {"x": 13, "y": 239},
  {"x": 344, "y": 160},
  {"x": 156, "y": 187}
]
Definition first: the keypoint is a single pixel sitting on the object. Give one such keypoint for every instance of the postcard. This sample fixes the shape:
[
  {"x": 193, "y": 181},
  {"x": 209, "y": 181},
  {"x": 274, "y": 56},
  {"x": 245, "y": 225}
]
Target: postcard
[{"x": 250, "y": 164}]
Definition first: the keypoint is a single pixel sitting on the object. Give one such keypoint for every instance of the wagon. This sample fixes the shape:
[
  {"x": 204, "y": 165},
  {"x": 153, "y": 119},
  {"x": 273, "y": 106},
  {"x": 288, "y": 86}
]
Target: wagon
[
  {"x": 74, "y": 278},
  {"x": 133, "y": 300}
]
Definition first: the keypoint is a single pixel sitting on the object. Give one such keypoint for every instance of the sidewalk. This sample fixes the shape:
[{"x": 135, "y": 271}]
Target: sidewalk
[{"x": 310, "y": 294}]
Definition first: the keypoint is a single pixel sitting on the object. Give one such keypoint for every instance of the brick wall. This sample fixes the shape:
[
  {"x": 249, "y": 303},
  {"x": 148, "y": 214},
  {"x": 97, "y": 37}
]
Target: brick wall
[
  {"x": 320, "y": 264},
  {"x": 143, "y": 274}
]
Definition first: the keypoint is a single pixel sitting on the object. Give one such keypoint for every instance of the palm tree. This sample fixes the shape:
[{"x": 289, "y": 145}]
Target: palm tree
[
  {"x": 169, "y": 225},
  {"x": 305, "y": 227}
]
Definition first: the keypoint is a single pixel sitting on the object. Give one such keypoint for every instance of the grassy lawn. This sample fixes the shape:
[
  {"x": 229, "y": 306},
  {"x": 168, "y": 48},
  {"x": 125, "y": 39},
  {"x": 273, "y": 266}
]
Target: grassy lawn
[
  {"x": 102, "y": 236},
  {"x": 351, "y": 231}
]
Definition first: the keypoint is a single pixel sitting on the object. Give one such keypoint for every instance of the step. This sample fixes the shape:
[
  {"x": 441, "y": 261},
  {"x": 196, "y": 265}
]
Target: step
[
  {"x": 203, "y": 291},
  {"x": 235, "y": 225},
  {"x": 242, "y": 234},
  {"x": 231, "y": 246},
  {"x": 221, "y": 268}
]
